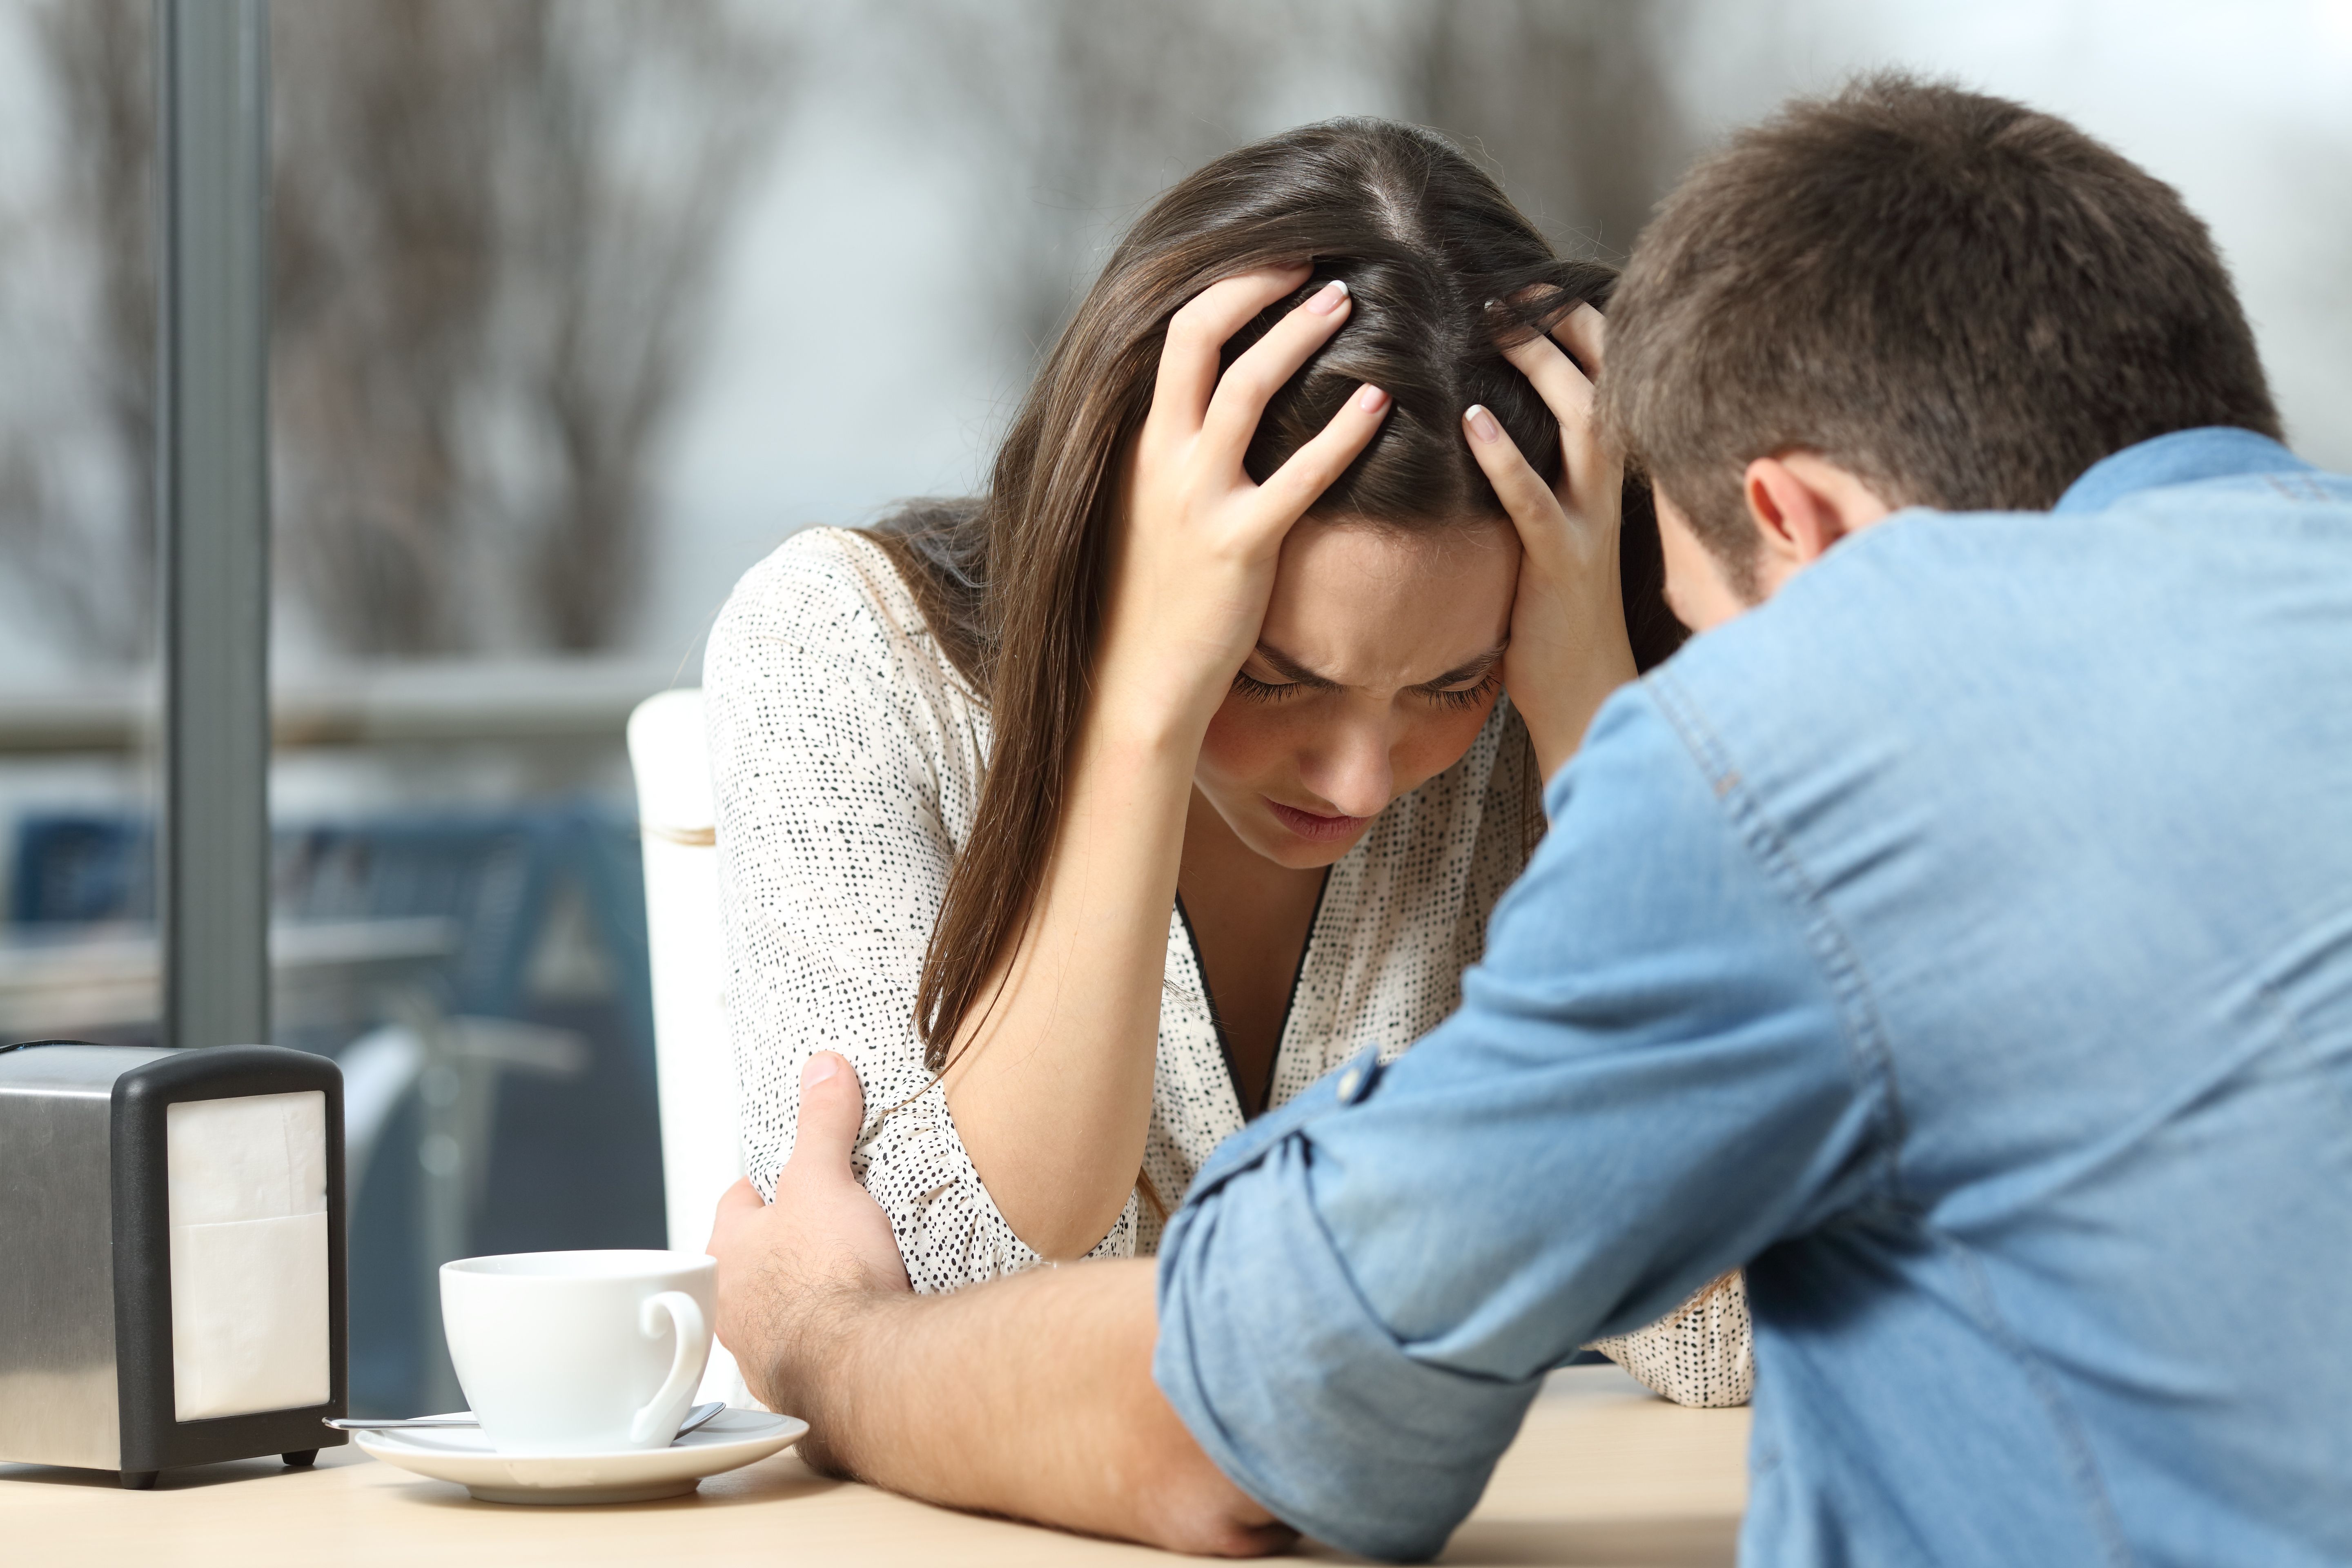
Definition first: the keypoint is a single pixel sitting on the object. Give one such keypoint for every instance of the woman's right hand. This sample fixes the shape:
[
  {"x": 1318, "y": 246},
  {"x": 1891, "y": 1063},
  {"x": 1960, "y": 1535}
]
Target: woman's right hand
[
  {"x": 1051, "y": 1083},
  {"x": 1194, "y": 559}
]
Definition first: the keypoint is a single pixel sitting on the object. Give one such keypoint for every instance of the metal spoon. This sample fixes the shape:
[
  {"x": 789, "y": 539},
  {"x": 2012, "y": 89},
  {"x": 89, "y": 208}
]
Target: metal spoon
[{"x": 694, "y": 1417}]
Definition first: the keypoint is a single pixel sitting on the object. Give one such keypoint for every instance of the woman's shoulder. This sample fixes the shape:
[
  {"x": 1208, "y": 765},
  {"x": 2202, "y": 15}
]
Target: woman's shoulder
[
  {"x": 829, "y": 592},
  {"x": 823, "y": 580}
]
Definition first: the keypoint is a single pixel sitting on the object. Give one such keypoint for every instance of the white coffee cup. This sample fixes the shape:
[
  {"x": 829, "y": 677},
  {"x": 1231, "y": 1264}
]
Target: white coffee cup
[{"x": 576, "y": 1353}]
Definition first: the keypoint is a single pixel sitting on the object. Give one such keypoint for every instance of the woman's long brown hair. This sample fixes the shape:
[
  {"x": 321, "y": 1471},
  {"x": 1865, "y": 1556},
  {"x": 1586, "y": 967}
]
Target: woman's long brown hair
[{"x": 1012, "y": 582}]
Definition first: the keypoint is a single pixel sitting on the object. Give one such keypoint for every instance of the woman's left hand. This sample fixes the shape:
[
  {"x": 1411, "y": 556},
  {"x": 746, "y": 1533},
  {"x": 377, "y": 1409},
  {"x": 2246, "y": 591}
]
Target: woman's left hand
[{"x": 1569, "y": 649}]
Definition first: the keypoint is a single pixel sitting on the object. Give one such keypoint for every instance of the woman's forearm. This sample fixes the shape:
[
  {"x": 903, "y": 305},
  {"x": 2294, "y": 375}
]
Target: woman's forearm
[
  {"x": 1051, "y": 1088},
  {"x": 1582, "y": 675}
]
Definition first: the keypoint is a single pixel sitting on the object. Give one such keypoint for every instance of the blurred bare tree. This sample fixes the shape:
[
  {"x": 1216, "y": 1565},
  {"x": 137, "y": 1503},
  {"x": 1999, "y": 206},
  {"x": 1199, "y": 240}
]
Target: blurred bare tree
[
  {"x": 494, "y": 226},
  {"x": 87, "y": 550},
  {"x": 1084, "y": 109},
  {"x": 495, "y": 221},
  {"x": 1567, "y": 100}
]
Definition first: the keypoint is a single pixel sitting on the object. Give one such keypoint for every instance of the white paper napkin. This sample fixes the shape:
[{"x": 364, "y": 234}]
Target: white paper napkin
[{"x": 249, "y": 1207}]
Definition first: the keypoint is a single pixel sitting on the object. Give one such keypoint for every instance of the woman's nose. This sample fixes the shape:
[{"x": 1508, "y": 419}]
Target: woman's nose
[{"x": 1351, "y": 770}]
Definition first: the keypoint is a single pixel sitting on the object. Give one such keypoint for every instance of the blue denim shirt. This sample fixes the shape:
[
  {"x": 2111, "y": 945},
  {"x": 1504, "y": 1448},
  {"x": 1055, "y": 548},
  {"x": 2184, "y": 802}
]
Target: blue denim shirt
[{"x": 1963, "y": 943}]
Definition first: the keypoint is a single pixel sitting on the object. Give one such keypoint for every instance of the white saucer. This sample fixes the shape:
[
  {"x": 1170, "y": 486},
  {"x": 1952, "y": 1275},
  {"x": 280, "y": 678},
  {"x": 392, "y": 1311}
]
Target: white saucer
[{"x": 727, "y": 1441}]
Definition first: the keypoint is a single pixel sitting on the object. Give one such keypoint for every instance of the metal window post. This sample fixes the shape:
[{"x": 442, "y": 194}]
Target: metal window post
[{"x": 212, "y": 457}]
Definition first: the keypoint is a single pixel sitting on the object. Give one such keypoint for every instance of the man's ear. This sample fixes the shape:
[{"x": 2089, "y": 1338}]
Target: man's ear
[{"x": 1801, "y": 504}]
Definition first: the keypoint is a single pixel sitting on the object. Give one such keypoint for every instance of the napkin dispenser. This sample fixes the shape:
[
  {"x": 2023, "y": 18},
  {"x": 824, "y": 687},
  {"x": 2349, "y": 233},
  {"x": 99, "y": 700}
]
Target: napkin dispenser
[{"x": 172, "y": 1278}]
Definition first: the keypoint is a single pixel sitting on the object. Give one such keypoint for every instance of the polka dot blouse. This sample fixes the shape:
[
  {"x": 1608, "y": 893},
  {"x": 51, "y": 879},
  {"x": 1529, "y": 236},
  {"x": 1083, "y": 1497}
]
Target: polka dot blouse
[{"x": 846, "y": 755}]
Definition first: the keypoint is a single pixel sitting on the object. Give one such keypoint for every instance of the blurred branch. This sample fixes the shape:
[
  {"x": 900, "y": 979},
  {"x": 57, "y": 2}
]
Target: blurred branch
[
  {"x": 1567, "y": 101},
  {"x": 386, "y": 229},
  {"x": 494, "y": 229},
  {"x": 498, "y": 224},
  {"x": 496, "y": 221},
  {"x": 1077, "y": 113},
  {"x": 86, "y": 551},
  {"x": 611, "y": 244}
]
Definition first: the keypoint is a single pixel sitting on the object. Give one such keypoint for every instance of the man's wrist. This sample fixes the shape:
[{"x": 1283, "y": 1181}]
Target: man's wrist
[{"x": 820, "y": 1370}]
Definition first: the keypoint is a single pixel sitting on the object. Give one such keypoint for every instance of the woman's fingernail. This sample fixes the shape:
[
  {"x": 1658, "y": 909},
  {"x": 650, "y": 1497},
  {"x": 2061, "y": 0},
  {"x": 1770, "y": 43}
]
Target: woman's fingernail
[
  {"x": 1372, "y": 400},
  {"x": 821, "y": 1066},
  {"x": 1482, "y": 424},
  {"x": 1327, "y": 298}
]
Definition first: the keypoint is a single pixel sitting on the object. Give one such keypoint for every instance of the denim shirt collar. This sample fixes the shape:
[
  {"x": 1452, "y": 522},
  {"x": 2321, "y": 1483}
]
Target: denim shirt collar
[{"x": 2184, "y": 457}]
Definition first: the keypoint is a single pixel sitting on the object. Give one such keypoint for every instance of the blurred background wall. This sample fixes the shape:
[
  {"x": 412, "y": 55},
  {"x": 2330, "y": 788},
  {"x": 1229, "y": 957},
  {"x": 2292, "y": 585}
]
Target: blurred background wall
[{"x": 583, "y": 305}]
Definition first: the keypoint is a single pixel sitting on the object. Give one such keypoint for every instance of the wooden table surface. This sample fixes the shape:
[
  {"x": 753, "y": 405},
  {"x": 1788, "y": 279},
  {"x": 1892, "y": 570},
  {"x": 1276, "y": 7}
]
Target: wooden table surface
[{"x": 1601, "y": 1474}]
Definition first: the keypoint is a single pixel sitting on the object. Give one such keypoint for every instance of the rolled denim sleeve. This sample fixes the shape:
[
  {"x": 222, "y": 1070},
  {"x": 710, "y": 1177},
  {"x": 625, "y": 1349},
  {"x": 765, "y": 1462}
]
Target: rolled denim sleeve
[{"x": 1664, "y": 1064}]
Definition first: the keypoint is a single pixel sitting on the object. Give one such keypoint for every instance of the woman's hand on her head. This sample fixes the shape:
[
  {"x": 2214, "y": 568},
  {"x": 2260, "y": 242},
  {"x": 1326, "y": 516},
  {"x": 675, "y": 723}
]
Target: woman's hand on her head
[
  {"x": 1569, "y": 648},
  {"x": 1194, "y": 558},
  {"x": 1050, "y": 1079}
]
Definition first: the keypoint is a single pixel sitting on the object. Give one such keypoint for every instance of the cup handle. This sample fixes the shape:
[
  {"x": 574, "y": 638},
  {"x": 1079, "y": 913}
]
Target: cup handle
[{"x": 685, "y": 1314}]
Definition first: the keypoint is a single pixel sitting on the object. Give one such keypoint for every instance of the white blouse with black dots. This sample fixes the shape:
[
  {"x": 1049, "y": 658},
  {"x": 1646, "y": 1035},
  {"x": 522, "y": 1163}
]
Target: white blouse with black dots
[{"x": 846, "y": 755}]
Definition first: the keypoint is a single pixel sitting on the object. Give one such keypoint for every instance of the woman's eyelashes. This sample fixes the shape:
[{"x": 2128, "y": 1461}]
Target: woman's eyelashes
[
  {"x": 1462, "y": 697},
  {"x": 1457, "y": 698},
  {"x": 1258, "y": 690}
]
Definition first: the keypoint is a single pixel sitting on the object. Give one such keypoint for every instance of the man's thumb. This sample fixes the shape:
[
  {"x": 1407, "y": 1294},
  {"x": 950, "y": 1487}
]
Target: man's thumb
[{"x": 833, "y": 1107}]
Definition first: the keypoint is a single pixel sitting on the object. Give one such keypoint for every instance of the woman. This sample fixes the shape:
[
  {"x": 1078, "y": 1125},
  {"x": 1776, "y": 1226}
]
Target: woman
[{"x": 1091, "y": 817}]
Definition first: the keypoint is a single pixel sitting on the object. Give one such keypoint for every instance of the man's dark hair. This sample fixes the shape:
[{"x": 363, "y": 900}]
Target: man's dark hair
[{"x": 1962, "y": 300}]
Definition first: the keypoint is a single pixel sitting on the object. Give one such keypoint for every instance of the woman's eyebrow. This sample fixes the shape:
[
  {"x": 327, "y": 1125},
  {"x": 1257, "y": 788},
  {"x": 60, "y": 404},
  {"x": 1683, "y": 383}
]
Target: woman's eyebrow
[
  {"x": 1470, "y": 669},
  {"x": 1290, "y": 668}
]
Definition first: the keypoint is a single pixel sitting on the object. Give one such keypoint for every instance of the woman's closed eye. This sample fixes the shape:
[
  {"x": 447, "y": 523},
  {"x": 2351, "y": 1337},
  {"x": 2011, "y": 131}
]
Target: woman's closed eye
[
  {"x": 1457, "y": 696},
  {"x": 1257, "y": 690},
  {"x": 1465, "y": 686},
  {"x": 1456, "y": 690}
]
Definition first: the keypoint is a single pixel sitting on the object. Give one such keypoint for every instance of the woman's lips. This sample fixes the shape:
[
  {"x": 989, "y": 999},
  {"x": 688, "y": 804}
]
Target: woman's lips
[{"x": 1309, "y": 824}]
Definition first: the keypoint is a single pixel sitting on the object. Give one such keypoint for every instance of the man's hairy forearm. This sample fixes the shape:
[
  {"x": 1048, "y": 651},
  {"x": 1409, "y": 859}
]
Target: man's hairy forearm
[{"x": 1030, "y": 1396}]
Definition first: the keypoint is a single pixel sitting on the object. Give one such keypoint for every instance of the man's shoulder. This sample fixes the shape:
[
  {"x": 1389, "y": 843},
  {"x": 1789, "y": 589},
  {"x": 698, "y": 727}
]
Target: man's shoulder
[
  {"x": 1968, "y": 700},
  {"x": 1929, "y": 605},
  {"x": 1638, "y": 757}
]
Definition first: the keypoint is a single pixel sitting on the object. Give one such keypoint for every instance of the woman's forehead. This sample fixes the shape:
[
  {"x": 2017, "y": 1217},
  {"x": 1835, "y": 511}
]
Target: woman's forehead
[{"x": 1375, "y": 605}]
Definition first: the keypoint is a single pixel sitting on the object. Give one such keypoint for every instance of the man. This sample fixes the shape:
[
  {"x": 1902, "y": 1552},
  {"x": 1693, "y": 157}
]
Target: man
[{"x": 1961, "y": 941}]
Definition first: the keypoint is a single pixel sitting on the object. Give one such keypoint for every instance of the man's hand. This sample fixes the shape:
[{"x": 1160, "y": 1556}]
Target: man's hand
[
  {"x": 1030, "y": 1396},
  {"x": 789, "y": 1271}
]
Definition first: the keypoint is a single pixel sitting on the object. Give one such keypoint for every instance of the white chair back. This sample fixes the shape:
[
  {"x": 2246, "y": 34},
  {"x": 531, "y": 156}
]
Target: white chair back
[{"x": 702, "y": 1144}]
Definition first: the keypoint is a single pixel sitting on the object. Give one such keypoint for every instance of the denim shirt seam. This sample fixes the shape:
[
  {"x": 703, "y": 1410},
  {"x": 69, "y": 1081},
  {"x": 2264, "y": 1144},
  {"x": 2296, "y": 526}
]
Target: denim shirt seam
[
  {"x": 2064, "y": 1420},
  {"x": 1868, "y": 1055},
  {"x": 2305, "y": 488}
]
